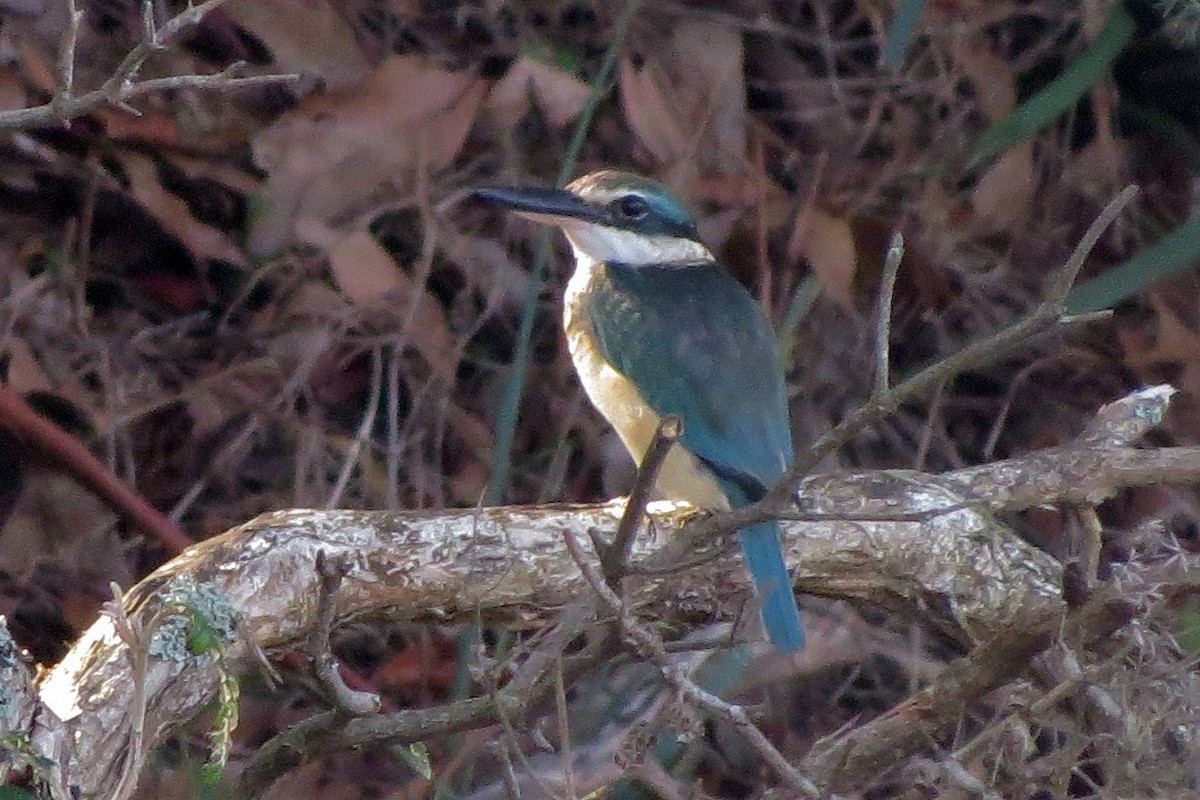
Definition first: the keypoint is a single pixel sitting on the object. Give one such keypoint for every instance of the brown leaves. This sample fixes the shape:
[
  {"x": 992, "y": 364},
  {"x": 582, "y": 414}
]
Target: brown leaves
[
  {"x": 369, "y": 276},
  {"x": 828, "y": 245},
  {"x": 203, "y": 241},
  {"x": 304, "y": 36},
  {"x": 559, "y": 95},
  {"x": 325, "y": 160},
  {"x": 686, "y": 99},
  {"x": 1164, "y": 345}
]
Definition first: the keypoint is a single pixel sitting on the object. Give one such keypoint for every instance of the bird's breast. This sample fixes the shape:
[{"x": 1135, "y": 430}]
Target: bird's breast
[{"x": 682, "y": 476}]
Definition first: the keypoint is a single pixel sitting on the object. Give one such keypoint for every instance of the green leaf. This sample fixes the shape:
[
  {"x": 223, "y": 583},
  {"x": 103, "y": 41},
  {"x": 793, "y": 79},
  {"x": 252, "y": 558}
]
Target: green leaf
[
  {"x": 16, "y": 793},
  {"x": 202, "y": 636},
  {"x": 560, "y": 58},
  {"x": 1176, "y": 251},
  {"x": 416, "y": 757},
  {"x": 1061, "y": 94},
  {"x": 1189, "y": 628},
  {"x": 904, "y": 28}
]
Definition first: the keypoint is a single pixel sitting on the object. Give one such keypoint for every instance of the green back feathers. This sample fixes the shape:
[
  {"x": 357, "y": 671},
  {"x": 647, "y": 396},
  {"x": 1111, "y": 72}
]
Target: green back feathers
[{"x": 694, "y": 342}]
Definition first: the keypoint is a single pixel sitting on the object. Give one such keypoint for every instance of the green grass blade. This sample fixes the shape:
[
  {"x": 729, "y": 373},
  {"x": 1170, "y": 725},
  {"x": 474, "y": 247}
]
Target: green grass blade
[
  {"x": 514, "y": 386},
  {"x": 802, "y": 301},
  {"x": 1061, "y": 94},
  {"x": 904, "y": 28},
  {"x": 1176, "y": 251}
]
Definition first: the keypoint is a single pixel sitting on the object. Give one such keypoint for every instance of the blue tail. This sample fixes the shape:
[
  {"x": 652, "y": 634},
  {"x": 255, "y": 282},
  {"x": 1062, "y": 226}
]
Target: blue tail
[{"x": 764, "y": 559}]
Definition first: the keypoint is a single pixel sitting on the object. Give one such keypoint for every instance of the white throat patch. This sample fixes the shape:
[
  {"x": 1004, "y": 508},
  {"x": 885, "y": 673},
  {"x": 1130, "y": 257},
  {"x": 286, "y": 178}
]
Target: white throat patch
[{"x": 601, "y": 243}]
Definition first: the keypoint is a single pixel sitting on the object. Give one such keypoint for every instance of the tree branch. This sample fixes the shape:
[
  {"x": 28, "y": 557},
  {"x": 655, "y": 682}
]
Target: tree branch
[
  {"x": 924, "y": 546},
  {"x": 121, "y": 87}
]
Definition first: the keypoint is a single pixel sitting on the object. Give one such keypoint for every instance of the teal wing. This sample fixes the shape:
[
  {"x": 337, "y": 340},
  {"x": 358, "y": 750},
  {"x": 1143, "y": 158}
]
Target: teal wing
[{"x": 696, "y": 344}]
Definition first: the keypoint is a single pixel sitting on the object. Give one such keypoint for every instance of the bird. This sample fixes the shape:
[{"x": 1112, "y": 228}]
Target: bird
[{"x": 656, "y": 326}]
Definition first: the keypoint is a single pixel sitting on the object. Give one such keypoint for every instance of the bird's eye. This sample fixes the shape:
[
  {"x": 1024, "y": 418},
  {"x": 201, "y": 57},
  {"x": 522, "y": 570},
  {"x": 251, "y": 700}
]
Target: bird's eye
[{"x": 632, "y": 206}]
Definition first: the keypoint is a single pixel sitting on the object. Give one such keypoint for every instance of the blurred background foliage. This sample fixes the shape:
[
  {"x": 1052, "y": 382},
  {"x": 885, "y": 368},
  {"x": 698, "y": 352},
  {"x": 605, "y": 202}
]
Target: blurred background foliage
[{"x": 280, "y": 297}]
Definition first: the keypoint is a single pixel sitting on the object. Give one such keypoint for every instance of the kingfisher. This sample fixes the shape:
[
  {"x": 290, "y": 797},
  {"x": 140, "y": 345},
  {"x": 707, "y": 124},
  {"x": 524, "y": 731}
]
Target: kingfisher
[{"x": 656, "y": 326}]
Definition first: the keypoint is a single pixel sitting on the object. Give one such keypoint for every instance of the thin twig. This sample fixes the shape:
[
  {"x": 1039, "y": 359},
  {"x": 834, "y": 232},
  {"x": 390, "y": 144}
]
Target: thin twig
[
  {"x": 1091, "y": 534},
  {"x": 325, "y": 666},
  {"x": 514, "y": 386},
  {"x": 509, "y": 775},
  {"x": 1048, "y": 316},
  {"x": 120, "y": 87},
  {"x": 850, "y": 760},
  {"x": 75, "y": 459},
  {"x": 614, "y": 558},
  {"x": 1010, "y": 393},
  {"x": 526, "y": 688},
  {"x": 66, "y": 64},
  {"x": 650, "y": 646},
  {"x": 1060, "y": 283},
  {"x": 365, "y": 427},
  {"x": 133, "y": 636},
  {"x": 512, "y": 741},
  {"x": 564, "y": 728},
  {"x": 662, "y": 783},
  {"x": 295, "y": 384},
  {"x": 394, "y": 442},
  {"x": 229, "y": 78},
  {"x": 883, "y": 314},
  {"x": 1071, "y": 684}
]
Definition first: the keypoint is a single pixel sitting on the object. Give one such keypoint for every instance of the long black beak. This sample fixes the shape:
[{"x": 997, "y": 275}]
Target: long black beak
[{"x": 540, "y": 203}]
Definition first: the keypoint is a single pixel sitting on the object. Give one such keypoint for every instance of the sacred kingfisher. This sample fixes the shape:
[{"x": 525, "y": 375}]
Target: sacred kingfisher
[{"x": 656, "y": 326}]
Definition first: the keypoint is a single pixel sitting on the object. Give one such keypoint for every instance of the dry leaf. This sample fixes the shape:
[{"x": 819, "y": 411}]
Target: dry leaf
[
  {"x": 311, "y": 304},
  {"x": 12, "y": 90},
  {"x": 559, "y": 96},
  {"x": 427, "y": 330},
  {"x": 37, "y": 69},
  {"x": 368, "y": 275},
  {"x": 828, "y": 246},
  {"x": 151, "y": 126},
  {"x": 1167, "y": 349},
  {"x": 306, "y": 36},
  {"x": 329, "y": 156},
  {"x": 1172, "y": 343},
  {"x": 421, "y": 668},
  {"x": 362, "y": 269},
  {"x": 24, "y": 373},
  {"x": 650, "y": 111},
  {"x": 486, "y": 266},
  {"x": 687, "y": 100},
  {"x": 469, "y": 455},
  {"x": 1099, "y": 168},
  {"x": 214, "y": 400},
  {"x": 56, "y": 518},
  {"x": 1004, "y": 192},
  {"x": 992, "y": 76},
  {"x": 203, "y": 241},
  {"x": 306, "y": 322}
]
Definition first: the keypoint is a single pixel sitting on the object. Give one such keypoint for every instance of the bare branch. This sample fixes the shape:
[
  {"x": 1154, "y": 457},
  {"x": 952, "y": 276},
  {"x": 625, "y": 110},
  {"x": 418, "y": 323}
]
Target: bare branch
[
  {"x": 355, "y": 703},
  {"x": 883, "y": 314},
  {"x": 509, "y": 566},
  {"x": 66, "y": 60},
  {"x": 615, "y": 557},
  {"x": 121, "y": 87},
  {"x": 855, "y": 758},
  {"x": 947, "y": 561},
  {"x": 647, "y": 644},
  {"x": 1048, "y": 317},
  {"x": 519, "y": 697}
]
